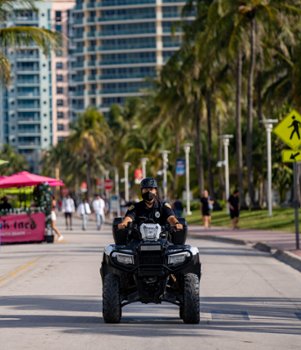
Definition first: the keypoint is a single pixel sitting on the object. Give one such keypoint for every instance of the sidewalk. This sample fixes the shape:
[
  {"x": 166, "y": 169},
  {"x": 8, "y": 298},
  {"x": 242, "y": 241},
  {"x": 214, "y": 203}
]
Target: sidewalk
[{"x": 281, "y": 245}]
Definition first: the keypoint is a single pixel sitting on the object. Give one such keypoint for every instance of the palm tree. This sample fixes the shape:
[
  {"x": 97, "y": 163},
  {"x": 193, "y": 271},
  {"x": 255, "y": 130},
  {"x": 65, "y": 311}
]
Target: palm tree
[
  {"x": 16, "y": 162},
  {"x": 21, "y": 35},
  {"x": 87, "y": 140}
]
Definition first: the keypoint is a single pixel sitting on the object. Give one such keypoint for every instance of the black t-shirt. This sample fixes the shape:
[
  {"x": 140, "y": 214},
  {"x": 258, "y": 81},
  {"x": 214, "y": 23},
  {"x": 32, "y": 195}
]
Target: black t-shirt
[
  {"x": 159, "y": 212},
  {"x": 234, "y": 201}
]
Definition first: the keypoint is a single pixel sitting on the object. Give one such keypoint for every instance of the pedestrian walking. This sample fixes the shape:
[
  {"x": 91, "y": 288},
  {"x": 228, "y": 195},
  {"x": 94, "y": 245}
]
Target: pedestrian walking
[
  {"x": 207, "y": 206},
  {"x": 233, "y": 201},
  {"x": 53, "y": 220},
  {"x": 68, "y": 208},
  {"x": 84, "y": 211},
  {"x": 98, "y": 206}
]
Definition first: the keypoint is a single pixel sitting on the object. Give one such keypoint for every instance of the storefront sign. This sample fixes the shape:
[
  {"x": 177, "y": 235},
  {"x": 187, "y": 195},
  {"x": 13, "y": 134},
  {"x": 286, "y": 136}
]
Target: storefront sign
[{"x": 22, "y": 228}]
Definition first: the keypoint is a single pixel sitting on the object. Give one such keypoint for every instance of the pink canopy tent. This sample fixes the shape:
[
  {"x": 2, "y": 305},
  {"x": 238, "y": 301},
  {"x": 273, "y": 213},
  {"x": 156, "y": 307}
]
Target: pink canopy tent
[{"x": 25, "y": 178}]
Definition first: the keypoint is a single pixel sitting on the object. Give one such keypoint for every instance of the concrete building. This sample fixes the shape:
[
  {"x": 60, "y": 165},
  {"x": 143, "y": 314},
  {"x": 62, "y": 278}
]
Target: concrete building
[
  {"x": 117, "y": 45},
  {"x": 34, "y": 106},
  {"x": 60, "y": 19}
]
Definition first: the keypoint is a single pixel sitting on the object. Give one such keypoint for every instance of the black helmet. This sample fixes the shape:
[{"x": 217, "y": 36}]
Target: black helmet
[{"x": 148, "y": 182}]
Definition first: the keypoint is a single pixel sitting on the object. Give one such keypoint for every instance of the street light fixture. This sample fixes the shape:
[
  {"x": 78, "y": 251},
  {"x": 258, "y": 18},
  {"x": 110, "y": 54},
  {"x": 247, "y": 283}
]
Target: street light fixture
[
  {"x": 226, "y": 142},
  {"x": 143, "y": 163},
  {"x": 187, "y": 172},
  {"x": 269, "y": 127},
  {"x": 126, "y": 181},
  {"x": 165, "y": 166}
]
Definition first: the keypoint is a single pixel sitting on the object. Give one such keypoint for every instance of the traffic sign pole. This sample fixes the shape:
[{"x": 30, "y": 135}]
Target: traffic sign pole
[
  {"x": 296, "y": 205},
  {"x": 289, "y": 131}
]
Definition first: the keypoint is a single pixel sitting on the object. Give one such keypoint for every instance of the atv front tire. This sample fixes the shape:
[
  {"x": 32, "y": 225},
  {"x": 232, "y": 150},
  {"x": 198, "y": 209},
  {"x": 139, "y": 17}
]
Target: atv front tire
[
  {"x": 111, "y": 306},
  {"x": 190, "y": 310}
]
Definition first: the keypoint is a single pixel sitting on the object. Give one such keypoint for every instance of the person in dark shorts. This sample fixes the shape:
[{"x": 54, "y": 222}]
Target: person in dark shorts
[
  {"x": 233, "y": 201},
  {"x": 207, "y": 206}
]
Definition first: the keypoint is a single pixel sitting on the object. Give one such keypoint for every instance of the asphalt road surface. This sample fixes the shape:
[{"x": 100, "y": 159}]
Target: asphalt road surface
[{"x": 50, "y": 298}]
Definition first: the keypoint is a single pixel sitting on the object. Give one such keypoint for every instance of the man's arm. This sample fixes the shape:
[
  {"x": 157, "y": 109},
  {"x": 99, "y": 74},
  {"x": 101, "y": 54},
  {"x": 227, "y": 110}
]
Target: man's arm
[
  {"x": 125, "y": 222},
  {"x": 173, "y": 221}
]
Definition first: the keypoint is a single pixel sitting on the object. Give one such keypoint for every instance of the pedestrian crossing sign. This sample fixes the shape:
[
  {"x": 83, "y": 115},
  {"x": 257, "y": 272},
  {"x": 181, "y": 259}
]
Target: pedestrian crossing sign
[
  {"x": 289, "y": 129},
  {"x": 291, "y": 156}
]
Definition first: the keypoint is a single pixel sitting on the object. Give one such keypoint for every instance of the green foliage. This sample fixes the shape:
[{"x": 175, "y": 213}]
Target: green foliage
[
  {"x": 22, "y": 35},
  {"x": 16, "y": 162}
]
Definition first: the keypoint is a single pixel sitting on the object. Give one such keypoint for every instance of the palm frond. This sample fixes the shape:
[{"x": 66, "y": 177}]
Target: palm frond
[
  {"x": 17, "y": 36},
  {"x": 4, "y": 69}
]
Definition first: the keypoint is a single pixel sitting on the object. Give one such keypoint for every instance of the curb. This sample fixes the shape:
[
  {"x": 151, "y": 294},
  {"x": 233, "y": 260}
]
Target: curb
[
  {"x": 223, "y": 239},
  {"x": 288, "y": 258},
  {"x": 281, "y": 255}
]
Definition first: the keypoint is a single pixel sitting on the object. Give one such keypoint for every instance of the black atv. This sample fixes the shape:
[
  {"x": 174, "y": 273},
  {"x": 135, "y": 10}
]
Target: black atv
[{"x": 150, "y": 263}]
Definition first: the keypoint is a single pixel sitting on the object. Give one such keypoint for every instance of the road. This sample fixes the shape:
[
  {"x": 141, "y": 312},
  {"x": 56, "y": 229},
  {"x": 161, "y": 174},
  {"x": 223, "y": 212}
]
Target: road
[{"x": 50, "y": 298}]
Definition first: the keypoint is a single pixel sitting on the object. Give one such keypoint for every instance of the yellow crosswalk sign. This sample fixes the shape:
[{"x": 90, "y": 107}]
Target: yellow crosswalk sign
[
  {"x": 291, "y": 156},
  {"x": 289, "y": 129}
]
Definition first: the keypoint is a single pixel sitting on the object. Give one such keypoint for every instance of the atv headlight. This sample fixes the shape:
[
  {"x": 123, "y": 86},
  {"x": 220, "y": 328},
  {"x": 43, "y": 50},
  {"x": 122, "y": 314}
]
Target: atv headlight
[
  {"x": 177, "y": 258},
  {"x": 126, "y": 259}
]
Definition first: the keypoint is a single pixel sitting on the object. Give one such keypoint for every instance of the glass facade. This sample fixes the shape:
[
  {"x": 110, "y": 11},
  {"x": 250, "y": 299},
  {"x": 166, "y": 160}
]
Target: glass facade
[{"x": 118, "y": 44}]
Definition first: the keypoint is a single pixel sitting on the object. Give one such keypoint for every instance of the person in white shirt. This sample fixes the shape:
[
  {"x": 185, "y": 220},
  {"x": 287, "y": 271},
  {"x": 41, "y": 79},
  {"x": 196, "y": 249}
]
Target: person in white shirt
[
  {"x": 84, "y": 211},
  {"x": 98, "y": 205},
  {"x": 68, "y": 208}
]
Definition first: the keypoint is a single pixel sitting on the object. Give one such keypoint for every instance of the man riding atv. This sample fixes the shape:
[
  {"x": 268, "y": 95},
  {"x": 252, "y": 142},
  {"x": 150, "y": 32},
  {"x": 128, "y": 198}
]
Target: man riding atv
[
  {"x": 151, "y": 207},
  {"x": 149, "y": 261}
]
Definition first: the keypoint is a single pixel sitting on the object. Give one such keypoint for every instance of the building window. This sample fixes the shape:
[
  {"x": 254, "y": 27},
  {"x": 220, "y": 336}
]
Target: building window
[
  {"x": 59, "y": 77},
  {"x": 60, "y": 115},
  {"x": 58, "y": 16},
  {"x": 59, "y": 90},
  {"x": 59, "y": 65},
  {"x": 60, "y": 102}
]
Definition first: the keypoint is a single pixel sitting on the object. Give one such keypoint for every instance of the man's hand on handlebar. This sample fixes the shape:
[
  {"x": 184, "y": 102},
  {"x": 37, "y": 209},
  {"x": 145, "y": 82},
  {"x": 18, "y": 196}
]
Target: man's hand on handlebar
[
  {"x": 124, "y": 223},
  {"x": 121, "y": 226},
  {"x": 178, "y": 227}
]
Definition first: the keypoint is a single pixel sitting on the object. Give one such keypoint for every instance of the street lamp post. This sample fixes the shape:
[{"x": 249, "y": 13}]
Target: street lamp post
[
  {"x": 226, "y": 142},
  {"x": 269, "y": 127},
  {"x": 143, "y": 163},
  {"x": 187, "y": 172},
  {"x": 126, "y": 181},
  {"x": 165, "y": 166}
]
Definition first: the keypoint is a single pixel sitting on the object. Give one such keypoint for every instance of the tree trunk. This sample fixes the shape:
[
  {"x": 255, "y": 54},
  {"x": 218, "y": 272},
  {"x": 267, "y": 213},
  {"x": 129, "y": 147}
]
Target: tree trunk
[
  {"x": 209, "y": 128},
  {"x": 238, "y": 129},
  {"x": 259, "y": 97},
  {"x": 198, "y": 145},
  {"x": 250, "y": 116}
]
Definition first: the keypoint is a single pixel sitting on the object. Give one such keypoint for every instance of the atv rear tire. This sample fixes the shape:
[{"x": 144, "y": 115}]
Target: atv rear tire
[
  {"x": 190, "y": 311},
  {"x": 111, "y": 306}
]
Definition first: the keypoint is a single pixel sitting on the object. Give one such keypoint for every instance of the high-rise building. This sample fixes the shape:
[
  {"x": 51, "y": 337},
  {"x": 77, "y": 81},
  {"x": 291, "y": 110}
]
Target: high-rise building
[
  {"x": 60, "y": 15},
  {"x": 34, "y": 105},
  {"x": 117, "y": 45}
]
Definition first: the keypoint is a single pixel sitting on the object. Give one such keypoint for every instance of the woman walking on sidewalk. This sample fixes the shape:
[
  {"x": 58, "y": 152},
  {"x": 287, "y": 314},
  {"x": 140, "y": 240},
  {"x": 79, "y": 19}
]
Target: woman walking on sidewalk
[
  {"x": 207, "y": 206},
  {"x": 53, "y": 220}
]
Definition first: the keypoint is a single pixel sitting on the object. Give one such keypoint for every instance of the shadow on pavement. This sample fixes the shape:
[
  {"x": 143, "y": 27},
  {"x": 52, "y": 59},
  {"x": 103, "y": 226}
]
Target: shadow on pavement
[{"x": 240, "y": 314}]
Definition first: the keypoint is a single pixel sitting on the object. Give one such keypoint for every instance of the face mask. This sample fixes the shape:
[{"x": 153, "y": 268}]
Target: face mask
[{"x": 148, "y": 196}]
